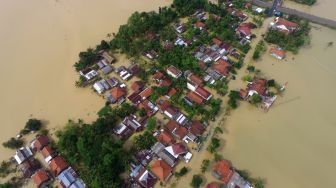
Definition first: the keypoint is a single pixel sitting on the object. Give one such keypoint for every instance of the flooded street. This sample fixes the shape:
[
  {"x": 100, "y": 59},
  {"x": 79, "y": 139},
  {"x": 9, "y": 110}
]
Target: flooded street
[{"x": 40, "y": 42}]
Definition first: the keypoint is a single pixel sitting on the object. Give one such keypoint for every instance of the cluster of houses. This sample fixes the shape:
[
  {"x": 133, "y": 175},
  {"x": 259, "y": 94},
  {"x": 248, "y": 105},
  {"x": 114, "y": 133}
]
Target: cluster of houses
[{"x": 58, "y": 168}]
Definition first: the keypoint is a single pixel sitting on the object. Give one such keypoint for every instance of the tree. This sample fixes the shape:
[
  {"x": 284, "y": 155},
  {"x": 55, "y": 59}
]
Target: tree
[
  {"x": 197, "y": 181},
  {"x": 33, "y": 124},
  {"x": 182, "y": 172},
  {"x": 151, "y": 124},
  {"x": 144, "y": 141},
  {"x": 13, "y": 143},
  {"x": 205, "y": 165},
  {"x": 214, "y": 145},
  {"x": 256, "y": 99}
]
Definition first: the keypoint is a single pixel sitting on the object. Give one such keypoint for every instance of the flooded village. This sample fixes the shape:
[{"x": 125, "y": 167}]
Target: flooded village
[{"x": 172, "y": 102}]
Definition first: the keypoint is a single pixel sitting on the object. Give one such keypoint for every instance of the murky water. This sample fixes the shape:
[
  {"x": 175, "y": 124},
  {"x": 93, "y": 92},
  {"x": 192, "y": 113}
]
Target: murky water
[{"x": 39, "y": 43}]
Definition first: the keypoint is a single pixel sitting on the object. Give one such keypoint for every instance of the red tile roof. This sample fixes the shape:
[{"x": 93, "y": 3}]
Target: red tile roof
[
  {"x": 146, "y": 93},
  {"x": 217, "y": 41},
  {"x": 166, "y": 82},
  {"x": 195, "y": 98},
  {"x": 203, "y": 92},
  {"x": 57, "y": 165},
  {"x": 158, "y": 75},
  {"x": 179, "y": 149},
  {"x": 244, "y": 29},
  {"x": 200, "y": 24},
  {"x": 163, "y": 105},
  {"x": 171, "y": 92},
  {"x": 224, "y": 170},
  {"x": 161, "y": 169},
  {"x": 41, "y": 141},
  {"x": 202, "y": 65},
  {"x": 258, "y": 85},
  {"x": 288, "y": 24},
  {"x": 181, "y": 132},
  {"x": 197, "y": 128},
  {"x": 222, "y": 67},
  {"x": 118, "y": 92},
  {"x": 138, "y": 85},
  {"x": 197, "y": 80},
  {"x": 171, "y": 125},
  {"x": 47, "y": 151},
  {"x": 174, "y": 70},
  {"x": 40, "y": 177},
  {"x": 165, "y": 137},
  {"x": 213, "y": 185},
  {"x": 280, "y": 53}
]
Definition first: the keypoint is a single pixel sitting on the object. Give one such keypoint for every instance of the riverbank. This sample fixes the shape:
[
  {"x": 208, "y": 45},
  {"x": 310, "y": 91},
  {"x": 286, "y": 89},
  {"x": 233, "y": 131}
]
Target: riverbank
[{"x": 37, "y": 73}]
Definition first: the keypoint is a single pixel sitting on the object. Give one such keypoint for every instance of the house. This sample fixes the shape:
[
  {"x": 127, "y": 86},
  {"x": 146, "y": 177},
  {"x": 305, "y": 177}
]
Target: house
[
  {"x": 48, "y": 153},
  {"x": 109, "y": 58},
  {"x": 107, "y": 69},
  {"x": 217, "y": 41},
  {"x": 242, "y": 16},
  {"x": 40, "y": 142},
  {"x": 88, "y": 73},
  {"x": 101, "y": 86},
  {"x": 23, "y": 154},
  {"x": 180, "y": 28},
  {"x": 29, "y": 167},
  {"x": 122, "y": 131},
  {"x": 196, "y": 128},
  {"x": 138, "y": 86},
  {"x": 258, "y": 86},
  {"x": 144, "y": 156},
  {"x": 222, "y": 67},
  {"x": 170, "y": 93},
  {"x": 278, "y": 53},
  {"x": 57, "y": 165},
  {"x": 142, "y": 176},
  {"x": 41, "y": 179},
  {"x": 168, "y": 45},
  {"x": 177, "y": 149},
  {"x": 205, "y": 94},
  {"x": 166, "y": 82},
  {"x": 125, "y": 74},
  {"x": 158, "y": 76},
  {"x": 215, "y": 185},
  {"x": 146, "y": 93},
  {"x": 149, "y": 107},
  {"x": 195, "y": 79},
  {"x": 284, "y": 26},
  {"x": 135, "y": 98},
  {"x": 162, "y": 170},
  {"x": 68, "y": 177},
  {"x": 200, "y": 25},
  {"x": 244, "y": 31},
  {"x": 152, "y": 54},
  {"x": 167, "y": 157},
  {"x": 223, "y": 171},
  {"x": 79, "y": 183},
  {"x": 113, "y": 82},
  {"x": 117, "y": 94},
  {"x": 195, "y": 98},
  {"x": 132, "y": 123},
  {"x": 174, "y": 72},
  {"x": 165, "y": 137},
  {"x": 134, "y": 69}
]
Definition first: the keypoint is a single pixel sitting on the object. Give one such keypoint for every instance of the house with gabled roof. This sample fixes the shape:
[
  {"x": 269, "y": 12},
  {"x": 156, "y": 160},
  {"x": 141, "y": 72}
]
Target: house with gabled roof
[
  {"x": 23, "y": 154},
  {"x": 162, "y": 170},
  {"x": 40, "y": 142},
  {"x": 174, "y": 72},
  {"x": 158, "y": 76},
  {"x": 116, "y": 95},
  {"x": 58, "y": 165},
  {"x": 41, "y": 179},
  {"x": 165, "y": 137},
  {"x": 196, "y": 128},
  {"x": 48, "y": 153},
  {"x": 29, "y": 167},
  {"x": 284, "y": 25}
]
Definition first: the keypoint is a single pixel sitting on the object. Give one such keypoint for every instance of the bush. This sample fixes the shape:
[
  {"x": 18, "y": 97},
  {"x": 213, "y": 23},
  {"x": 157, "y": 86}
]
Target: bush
[
  {"x": 205, "y": 165},
  {"x": 13, "y": 143},
  {"x": 33, "y": 124},
  {"x": 256, "y": 99},
  {"x": 182, "y": 172},
  {"x": 196, "y": 181}
]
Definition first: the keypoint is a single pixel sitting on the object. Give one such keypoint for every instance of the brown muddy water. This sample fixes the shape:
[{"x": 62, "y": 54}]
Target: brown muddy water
[
  {"x": 39, "y": 43},
  {"x": 323, "y": 8}
]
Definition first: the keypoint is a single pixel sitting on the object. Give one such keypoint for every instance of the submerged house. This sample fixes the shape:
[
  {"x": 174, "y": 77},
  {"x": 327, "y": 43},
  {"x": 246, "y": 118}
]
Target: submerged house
[
  {"x": 284, "y": 26},
  {"x": 58, "y": 165},
  {"x": 41, "y": 179},
  {"x": 117, "y": 95},
  {"x": 29, "y": 167},
  {"x": 278, "y": 53},
  {"x": 162, "y": 170},
  {"x": 40, "y": 142},
  {"x": 88, "y": 73},
  {"x": 23, "y": 154}
]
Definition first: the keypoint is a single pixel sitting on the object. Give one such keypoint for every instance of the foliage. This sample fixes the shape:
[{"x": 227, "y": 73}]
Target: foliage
[
  {"x": 151, "y": 124},
  {"x": 250, "y": 68},
  {"x": 86, "y": 59},
  {"x": 247, "y": 78},
  {"x": 6, "y": 168},
  {"x": 256, "y": 99},
  {"x": 144, "y": 141},
  {"x": 218, "y": 130},
  {"x": 271, "y": 83},
  {"x": 214, "y": 145},
  {"x": 33, "y": 124},
  {"x": 142, "y": 112},
  {"x": 5, "y": 185},
  {"x": 185, "y": 8},
  {"x": 197, "y": 181},
  {"x": 182, "y": 172},
  {"x": 260, "y": 48},
  {"x": 205, "y": 165},
  {"x": 13, "y": 143}
]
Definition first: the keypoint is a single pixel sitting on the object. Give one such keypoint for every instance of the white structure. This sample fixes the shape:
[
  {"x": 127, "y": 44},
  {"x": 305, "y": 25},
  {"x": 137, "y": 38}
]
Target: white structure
[{"x": 23, "y": 154}]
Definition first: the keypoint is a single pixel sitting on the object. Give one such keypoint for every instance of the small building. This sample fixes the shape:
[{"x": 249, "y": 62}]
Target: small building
[
  {"x": 138, "y": 86},
  {"x": 215, "y": 185},
  {"x": 40, "y": 142},
  {"x": 142, "y": 176},
  {"x": 158, "y": 76},
  {"x": 107, "y": 69},
  {"x": 117, "y": 95},
  {"x": 146, "y": 93},
  {"x": 29, "y": 167},
  {"x": 88, "y": 73},
  {"x": 109, "y": 58},
  {"x": 284, "y": 26},
  {"x": 41, "y": 179},
  {"x": 67, "y": 177},
  {"x": 174, "y": 72},
  {"x": 122, "y": 131},
  {"x": 149, "y": 107},
  {"x": 165, "y": 137},
  {"x": 113, "y": 82},
  {"x": 258, "y": 86},
  {"x": 180, "y": 28},
  {"x": 194, "y": 98},
  {"x": 205, "y": 94},
  {"x": 196, "y": 128},
  {"x": 222, "y": 67},
  {"x": 166, "y": 82},
  {"x": 48, "y": 153},
  {"x": 223, "y": 171},
  {"x": 100, "y": 86},
  {"x": 23, "y": 154},
  {"x": 200, "y": 25},
  {"x": 278, "y": 53},
  {"x": 243, "y": 31},
  {"x": 58, "y": 165},
  {"x": 170, "y": 93},
  {"x": 196, "y": 80},
  {"x": 132, "y": 123},
  {"x": 162, "y": 170}
]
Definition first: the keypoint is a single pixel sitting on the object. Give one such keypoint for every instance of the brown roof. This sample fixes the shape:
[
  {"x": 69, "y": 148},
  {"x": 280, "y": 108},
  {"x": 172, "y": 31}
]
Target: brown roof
[
  {"x": 197, "y": 80},
  {"x": 224, "y": 170},
  {"x": 146, "y": 93},
  {"x": 288, "y": 24},
  {"x": 166, "y": 82},
  {"x": 57, "y": 165},
  {"x": 222, "y": 67},
  {"x": 258, "y": 85},
  {"x": 174, "y": 70},
  {"x": 40, "y": 177},
  {"x": 145, "y": 105},
  {"x": 118, "y": 93},
  {"x": 163, "y": 104},
  {"x": 200, "y": 24},
  {"x": 202, "y": 65},
  {"x": 217, "y": 41},
  {"x": 47, "y": 151},
  {"x": 244, "y": 29},
  {"x": 197, "y": 128},
  {"x": 195, "y": 97},
  {"x": 41, "y": 141},
  {"x": 171, "y": 92},
  {"x": 278, "y": 52},
  {"x": 165, "y": 137},
  {"x": 181, "y": 132},
  {"x": 179, "y": 149},
  {"x": 161, "y": 169},
  {"x": 203, "y": 92},
  {"x": 213, "y": 185},
  {"x": 138, "y": 85},
  {"x": 158, "y": 75},
  {"x": 171, "y": 125}
]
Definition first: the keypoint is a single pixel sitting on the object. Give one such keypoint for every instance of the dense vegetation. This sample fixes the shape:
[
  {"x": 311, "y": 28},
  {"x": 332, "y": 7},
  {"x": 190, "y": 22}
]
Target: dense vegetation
[
  {"x": 196, "y": 181},
  {"x": 33, "y": 125},
  {"x": 91, "y": 149},
  {"x": 293, "y": 41},
  {"x": 260, "y": 48},
  {"x": 13, "y": 143}
]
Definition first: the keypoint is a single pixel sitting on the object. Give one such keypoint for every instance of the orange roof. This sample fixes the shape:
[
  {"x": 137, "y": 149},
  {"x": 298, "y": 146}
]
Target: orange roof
[
  {"x": 200, "y": 24},
  {"x": 213, "y": 185},
  {"x": 162, "y": 170},
  {"x": 197, "y": 128},
  {"x": 166, "y": 82},
  {"x": 258, "y": 85},
  {"x": 47, "y": 151},
  {"x": 137, "y": 85},
  {"x": 224, "y": 169},
  {"x": 118, "y": 93},
  {"x": 171, "y": 125},
  {"x": 195, "y": 97},
  {"x": 288, "y": 24},
  {"x": 279, "y": 53},
  {"x": 181, "y": 132},
  {"x": 203, "y": 92},
  {"x": 40, "y": 177},
  {"x": 222, "y": 67},
  {"x": 171, "y": 92},
  {"x": 57, "y": 165},
  {"x": 197, "y": 80},
  {"x": 41, "y": 141},
  {"x": 158, "y": 75},
  {"x": 146, "y": 93},
  {"x": 217, "y": 41},
  {"x": 165, "y": 137}
]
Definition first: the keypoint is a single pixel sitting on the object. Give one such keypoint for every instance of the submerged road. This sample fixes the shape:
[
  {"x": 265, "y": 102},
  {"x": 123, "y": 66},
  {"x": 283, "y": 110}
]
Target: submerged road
[{"x": 276, "y": 6}]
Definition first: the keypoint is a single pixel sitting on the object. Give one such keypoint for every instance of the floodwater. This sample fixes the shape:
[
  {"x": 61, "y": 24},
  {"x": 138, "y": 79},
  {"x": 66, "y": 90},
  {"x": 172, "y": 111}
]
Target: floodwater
[
  {"x": 39, "y": 43},
  {"x": 294, "y": 144}
]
